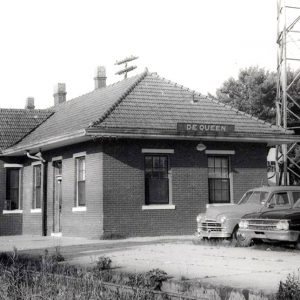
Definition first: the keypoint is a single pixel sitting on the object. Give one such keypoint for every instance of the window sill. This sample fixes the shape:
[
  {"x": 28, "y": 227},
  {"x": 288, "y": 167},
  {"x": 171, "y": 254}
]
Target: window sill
[
  {"x": 56, "y": 234},
  {"x": 15, "y": 211},
  {"x": 78, "y": 208},
  {"x": 36, "y": 211},
  {"x": 218, "y": 204},
  {"x": 158, "y": 206}
]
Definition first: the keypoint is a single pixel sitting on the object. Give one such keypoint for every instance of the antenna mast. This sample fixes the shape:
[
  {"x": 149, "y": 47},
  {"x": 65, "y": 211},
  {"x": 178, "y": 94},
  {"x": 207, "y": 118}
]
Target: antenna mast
[
  {"x": 126, "y": 69},
  {"x": 288, "y": 55}
]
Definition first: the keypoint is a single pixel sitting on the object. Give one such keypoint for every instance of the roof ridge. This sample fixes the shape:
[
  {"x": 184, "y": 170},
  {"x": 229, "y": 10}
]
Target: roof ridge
[
  {"x": 177, "y": 85},
  {"x": 246, "y": 114},
  {"x": 34, "y": 128},
  {"x": 120, "y": 99},
  {"x": 91, "y": 92}
]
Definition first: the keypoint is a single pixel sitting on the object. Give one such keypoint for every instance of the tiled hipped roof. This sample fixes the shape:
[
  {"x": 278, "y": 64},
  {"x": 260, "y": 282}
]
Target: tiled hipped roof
[
  {"x": 17, "y": 123},
  {"x": 78, "y": 113},
  {"x": 157, "y": 104},
  {"x": 143, "y": 104}
]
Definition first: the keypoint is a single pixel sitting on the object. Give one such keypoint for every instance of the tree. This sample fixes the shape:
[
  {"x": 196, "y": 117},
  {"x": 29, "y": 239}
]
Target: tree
[{"x": 254, "y": 92}]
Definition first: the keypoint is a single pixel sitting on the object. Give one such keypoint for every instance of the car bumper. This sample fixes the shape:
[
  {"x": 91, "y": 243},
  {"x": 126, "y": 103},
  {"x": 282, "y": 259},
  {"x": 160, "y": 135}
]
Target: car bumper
[
  {"x": 280, "y": 235},
  {"x": 212, "y": 234}
]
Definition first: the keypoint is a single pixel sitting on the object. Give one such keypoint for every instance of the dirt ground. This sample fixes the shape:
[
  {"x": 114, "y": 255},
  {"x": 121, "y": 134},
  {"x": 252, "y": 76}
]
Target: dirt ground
[{"x": 258, "y": 268}]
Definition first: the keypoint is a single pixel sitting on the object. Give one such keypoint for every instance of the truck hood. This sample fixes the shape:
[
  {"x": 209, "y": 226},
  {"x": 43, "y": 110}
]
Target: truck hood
[
  {"x": 289, "y": 213},
  {"x": 231, "y": 211}
]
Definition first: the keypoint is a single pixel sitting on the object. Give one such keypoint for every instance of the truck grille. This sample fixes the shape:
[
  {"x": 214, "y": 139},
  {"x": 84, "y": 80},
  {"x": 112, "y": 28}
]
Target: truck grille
[
  {"x": 262, "y": 224},
  {"x": 210, "y": 225}
]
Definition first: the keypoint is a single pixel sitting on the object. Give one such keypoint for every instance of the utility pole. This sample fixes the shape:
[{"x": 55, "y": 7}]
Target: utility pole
[
  {"x": 126, "y": 69},
  {"x": 288, "y": 55}
]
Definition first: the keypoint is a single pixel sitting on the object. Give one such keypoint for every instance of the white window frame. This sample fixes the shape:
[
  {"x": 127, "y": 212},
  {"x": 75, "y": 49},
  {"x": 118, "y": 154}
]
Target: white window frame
[
  {"x": 77, "y": 156},
  {"x": 220, "y": 152},
  {"x": 34, "y": 209},
  {"x": 19, "y": 210},
  {"x": 170, "y": 205},
  {"x": 227, "y": 153}
]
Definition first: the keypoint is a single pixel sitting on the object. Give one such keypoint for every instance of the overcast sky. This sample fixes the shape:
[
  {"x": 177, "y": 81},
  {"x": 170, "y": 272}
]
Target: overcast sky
[{"x": 197, "y": 43}]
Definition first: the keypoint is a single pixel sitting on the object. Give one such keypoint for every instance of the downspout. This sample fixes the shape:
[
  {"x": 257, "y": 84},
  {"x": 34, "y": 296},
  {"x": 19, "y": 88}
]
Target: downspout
[{"x": 39, "y": 157}]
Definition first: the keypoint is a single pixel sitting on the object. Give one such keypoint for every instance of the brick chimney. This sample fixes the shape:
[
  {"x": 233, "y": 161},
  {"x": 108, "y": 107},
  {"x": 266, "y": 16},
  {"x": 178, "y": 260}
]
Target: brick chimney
[
  {"x": 100, "y": 77},
  {"x": 59, "y": 93},
  {"x": 29, "y": 103}
]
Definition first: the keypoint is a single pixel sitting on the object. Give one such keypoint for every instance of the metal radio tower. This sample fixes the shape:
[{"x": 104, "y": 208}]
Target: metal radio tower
[{"x": 288, "y": 59}]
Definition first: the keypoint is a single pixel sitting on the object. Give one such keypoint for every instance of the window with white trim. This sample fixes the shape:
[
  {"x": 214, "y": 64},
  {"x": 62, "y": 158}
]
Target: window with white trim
[
  {"x": 218, "y": 179},
  {"x": 13, "y": 196},
  {"x": 157, "y": 180},
  {"x": 37, "y": 187},
  {"x": 80, "y": 199}
]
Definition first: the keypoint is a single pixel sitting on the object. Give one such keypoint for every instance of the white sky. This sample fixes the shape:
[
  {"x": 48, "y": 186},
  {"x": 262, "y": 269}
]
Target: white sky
[{"x": 197, "y": 43}]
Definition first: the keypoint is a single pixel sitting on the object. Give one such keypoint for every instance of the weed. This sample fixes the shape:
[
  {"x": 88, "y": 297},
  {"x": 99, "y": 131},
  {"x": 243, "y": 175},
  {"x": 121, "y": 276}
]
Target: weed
[
  {"x": 103, "y": 263},
  {"x": 290, "y": 289}
]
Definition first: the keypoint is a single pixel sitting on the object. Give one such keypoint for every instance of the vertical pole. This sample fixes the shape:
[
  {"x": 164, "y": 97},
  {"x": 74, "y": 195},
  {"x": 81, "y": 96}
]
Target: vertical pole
[
  {"x": 281, "y": 105},
  {"x": 44, "y": 197},
  {"x": 284, "y": 93},
  {"x": 278, "y": 157}
]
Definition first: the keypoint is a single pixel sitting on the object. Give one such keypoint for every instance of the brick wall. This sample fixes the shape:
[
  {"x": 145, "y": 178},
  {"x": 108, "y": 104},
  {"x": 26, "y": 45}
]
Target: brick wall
[
  {"x": 87, "y": 223},
  {"x": 122, "y": 173},
  {"x": 32, "y": 222},
  {"x": 249, "y": 168},
  {"x": 124, "y": 184}
]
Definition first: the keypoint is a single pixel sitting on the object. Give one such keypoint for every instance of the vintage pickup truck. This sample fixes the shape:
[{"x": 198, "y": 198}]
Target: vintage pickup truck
[
  {"x": 273, "y": 225},
  {"x": 222, "y": 221}
]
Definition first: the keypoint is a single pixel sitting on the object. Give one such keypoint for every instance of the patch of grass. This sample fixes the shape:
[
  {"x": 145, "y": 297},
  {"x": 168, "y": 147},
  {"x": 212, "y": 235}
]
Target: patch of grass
[{"x": 44, "y": 277}]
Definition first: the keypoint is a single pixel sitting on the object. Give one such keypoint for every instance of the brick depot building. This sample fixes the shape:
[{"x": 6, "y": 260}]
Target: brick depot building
[{"x": 139, "y": 157}]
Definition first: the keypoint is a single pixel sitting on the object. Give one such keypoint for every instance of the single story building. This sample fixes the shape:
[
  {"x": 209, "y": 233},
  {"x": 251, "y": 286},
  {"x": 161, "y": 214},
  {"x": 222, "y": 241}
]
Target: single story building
[{"x": 140, "y": 157}]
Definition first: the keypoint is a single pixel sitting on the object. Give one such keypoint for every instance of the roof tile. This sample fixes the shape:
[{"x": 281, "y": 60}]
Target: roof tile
[
  {"x": 17, "y": 123},
  {"x": 157, "y": 103},
  {"x": 145, "y": 101}
]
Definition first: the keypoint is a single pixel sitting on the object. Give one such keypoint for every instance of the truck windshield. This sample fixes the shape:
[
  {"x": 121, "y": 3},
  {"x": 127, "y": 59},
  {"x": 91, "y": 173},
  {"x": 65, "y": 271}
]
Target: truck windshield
[{"x": 257, "y": 197}]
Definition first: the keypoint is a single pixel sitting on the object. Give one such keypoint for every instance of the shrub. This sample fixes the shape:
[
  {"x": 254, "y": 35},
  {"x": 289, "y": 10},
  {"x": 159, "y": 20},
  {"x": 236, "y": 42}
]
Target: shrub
[
  {"x": 290, "y": 289},
  {"x": 155, "y": 279},
  {"x": 103, "y": 263}
]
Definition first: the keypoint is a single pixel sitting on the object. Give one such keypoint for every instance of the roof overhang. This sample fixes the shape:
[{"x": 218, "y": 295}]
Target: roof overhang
[
  {"x": 48, "y": 144},
  {"x": 87, "y": 134},
  {"x": 270, "y": 139}
]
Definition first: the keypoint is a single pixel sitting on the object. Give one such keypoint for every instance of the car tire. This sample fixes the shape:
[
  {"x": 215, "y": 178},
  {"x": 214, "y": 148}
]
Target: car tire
[
  {"x": 297, "y": 244},
  {"x": 243, "y": 241},
  {"x": 234, "y": 238}
]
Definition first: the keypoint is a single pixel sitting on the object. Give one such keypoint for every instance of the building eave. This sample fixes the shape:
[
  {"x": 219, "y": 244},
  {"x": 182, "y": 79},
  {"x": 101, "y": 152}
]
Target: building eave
[
  {"x": 86, "y": 134},
  {"x": 270, "y": 139},
  {"x": 48, "y": 144}
]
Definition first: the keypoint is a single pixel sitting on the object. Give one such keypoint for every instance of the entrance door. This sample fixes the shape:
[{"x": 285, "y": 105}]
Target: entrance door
[{"x": 57, "y": 197}]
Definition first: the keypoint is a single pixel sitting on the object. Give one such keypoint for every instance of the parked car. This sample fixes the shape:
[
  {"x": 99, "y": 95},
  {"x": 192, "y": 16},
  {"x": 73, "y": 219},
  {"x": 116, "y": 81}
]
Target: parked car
[
  {"x": 222, "y": 221},
  {"x": 275, "y": 224}
]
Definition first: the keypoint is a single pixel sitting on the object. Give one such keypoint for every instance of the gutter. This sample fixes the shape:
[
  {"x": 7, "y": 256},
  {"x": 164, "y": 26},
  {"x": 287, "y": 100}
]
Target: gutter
[
  {"x": 86, "y": 134},
  {"x": 269, "y": 139},
  {"x": 46, "y": 144}
]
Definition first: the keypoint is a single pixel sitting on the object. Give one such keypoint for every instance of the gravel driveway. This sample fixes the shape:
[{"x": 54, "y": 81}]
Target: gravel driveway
[{"x": 255, "y": 268}]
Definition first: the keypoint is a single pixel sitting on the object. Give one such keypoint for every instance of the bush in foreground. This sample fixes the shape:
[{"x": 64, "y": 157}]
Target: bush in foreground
[{"x": 290, "y": 289}]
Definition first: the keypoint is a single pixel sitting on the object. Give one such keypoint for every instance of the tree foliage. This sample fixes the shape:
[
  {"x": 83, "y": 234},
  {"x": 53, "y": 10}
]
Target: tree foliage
[{"x": 254, "y": 92}]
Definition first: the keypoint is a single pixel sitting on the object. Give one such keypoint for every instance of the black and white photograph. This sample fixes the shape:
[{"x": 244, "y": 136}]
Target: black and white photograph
[{"x": 150, "y": 150}]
